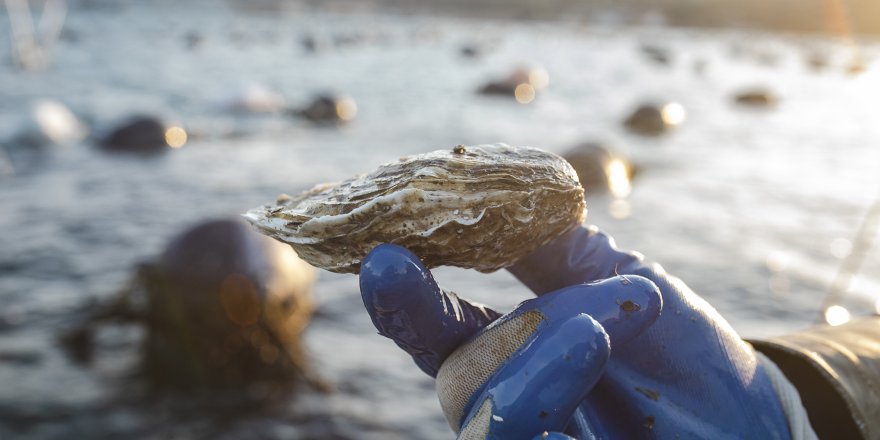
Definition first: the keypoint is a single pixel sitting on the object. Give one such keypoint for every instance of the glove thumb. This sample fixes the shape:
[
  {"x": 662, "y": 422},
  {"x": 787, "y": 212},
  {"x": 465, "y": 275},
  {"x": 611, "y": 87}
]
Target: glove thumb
[
  {"x": 406, "y": 305},
  {"x": 528, "y": 371}
]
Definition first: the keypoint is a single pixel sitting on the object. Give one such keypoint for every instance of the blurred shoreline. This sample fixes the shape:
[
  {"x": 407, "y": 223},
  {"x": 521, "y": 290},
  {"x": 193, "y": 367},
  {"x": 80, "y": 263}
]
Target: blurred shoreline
[{"x": 830, "y": 18}]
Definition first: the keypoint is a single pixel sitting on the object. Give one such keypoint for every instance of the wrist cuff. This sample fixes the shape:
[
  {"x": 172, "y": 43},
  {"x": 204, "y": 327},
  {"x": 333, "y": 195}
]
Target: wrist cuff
[
  {"x": 795, "y": 413},
  {"x": 836, "y": 371}
]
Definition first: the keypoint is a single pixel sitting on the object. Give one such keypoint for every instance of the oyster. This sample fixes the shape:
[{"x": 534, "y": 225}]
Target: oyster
[{"x": 481, "y": 207}]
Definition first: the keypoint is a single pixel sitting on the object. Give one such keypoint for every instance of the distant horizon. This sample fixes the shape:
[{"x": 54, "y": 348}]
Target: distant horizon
[{"x": 840, "y": 18}]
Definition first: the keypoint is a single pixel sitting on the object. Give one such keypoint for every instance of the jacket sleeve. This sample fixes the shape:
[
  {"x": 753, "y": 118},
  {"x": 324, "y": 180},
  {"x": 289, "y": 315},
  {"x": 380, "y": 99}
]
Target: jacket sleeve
[{"x": 836, "y": 370}]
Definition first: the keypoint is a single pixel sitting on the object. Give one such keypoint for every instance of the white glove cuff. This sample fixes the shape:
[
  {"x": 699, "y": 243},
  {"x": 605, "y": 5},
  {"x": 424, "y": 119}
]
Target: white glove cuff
[{"x": 798, "y": 423}]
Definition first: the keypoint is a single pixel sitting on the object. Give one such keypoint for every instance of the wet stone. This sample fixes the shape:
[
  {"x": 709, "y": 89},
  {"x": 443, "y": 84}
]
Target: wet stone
[
  {"x": 222, "y": 308},
  {"x": 140, "y": 134}
]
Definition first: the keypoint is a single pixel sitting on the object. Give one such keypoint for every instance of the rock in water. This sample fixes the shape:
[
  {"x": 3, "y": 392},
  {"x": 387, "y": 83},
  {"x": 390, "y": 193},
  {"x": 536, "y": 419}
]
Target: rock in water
[
  {"x": 222, "y": 309},
  {"x": 481, "y": 207},
  {"x": 601, "y": 168},
  {"x": 655, "y": 119},
  {"x": 226, "y": 308},
  {"x": 141, "y": 133},
  {"x": 756, "y": 98},
  {"x": 522, "y": 84},
  {"x": 330, "y": 109}
]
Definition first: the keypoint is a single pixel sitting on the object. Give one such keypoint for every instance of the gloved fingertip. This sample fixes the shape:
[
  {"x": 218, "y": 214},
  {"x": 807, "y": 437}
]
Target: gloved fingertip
[
  {"x": 540, "y": 387},
  {"x": 639, "y": 304},
  {"x": 391, "y": 276},
  {"x": 406, "y": 305},
  {"x": 625, "y": 305}
]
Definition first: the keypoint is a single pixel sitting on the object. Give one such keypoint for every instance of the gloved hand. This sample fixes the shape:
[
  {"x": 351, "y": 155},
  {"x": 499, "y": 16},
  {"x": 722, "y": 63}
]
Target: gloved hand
[{"x": 593, "y": 360}]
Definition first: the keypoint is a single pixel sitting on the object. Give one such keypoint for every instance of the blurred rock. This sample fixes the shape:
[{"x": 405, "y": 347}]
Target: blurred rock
[
  {"x": 498, "y": 88},
  {"x": 193, "y": 39},
  {"x": 48, "y": 123},
  {"x": 470, "y": 51},
  {"x": 329, "y": 109},
  {"x": 522, "y": 84},
  {"x": 226, "y": 307},
  {"x": 657, "y": 54},
  {"x": 601, "y": 168},
  {"x": 309, "y": 43},
  {"x": 138, "y": 134},
  {"x": 817, "y": 61},
  {"x": 756, "y": 98},
  {"x": 314, "y": 44},
  {"x": 21, "y": 358},
  {"x": 223, "y": 308},
  {"x": 856, "y": 66},
  {"x": 655, "y": 119}
]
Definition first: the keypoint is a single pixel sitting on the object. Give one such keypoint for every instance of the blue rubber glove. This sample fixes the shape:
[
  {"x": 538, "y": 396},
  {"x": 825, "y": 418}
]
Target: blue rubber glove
[{"x": 684, "y": 374}]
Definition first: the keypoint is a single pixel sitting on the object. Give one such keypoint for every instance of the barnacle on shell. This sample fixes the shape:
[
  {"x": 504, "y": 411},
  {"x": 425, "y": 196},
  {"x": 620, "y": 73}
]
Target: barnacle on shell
[{"x": 481, "y": 207}]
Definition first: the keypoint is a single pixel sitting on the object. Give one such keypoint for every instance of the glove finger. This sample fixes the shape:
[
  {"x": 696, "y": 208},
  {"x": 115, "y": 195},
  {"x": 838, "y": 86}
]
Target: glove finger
[
  {"x": 581, "y": 255},
  {"x": 406, "y": 305},
  {"x": 528, "y": 371},
  {"x": 539, "y": 388}
]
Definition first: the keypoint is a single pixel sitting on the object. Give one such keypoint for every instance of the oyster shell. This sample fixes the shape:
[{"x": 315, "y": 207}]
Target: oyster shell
[{"x": 481, "y": 207}]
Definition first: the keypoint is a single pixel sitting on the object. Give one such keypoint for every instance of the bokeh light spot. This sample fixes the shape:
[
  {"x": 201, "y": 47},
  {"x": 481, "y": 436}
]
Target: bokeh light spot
[
  {"x": 57, "y": 121},
  {"x": 524, "y": 93},
  {"x": 618, "y": 179},
  {"x": 346, "y": 109},
  {"x": 777, "y": 261},
  {"x": 674, "y": 113},
  {"x": 539, "y": 79},
  {"x": 175, "y": 137},
  {"x": 836, "y": 315}
]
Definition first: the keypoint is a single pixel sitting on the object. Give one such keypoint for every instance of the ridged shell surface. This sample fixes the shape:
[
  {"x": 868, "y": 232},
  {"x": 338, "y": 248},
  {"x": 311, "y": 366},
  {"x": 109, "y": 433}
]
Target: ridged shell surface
[{"x": 481, "y": 207}]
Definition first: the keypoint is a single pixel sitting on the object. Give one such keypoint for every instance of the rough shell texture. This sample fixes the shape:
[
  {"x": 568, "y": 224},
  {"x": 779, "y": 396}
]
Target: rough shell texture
[{"x": 481, "y": 207}]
